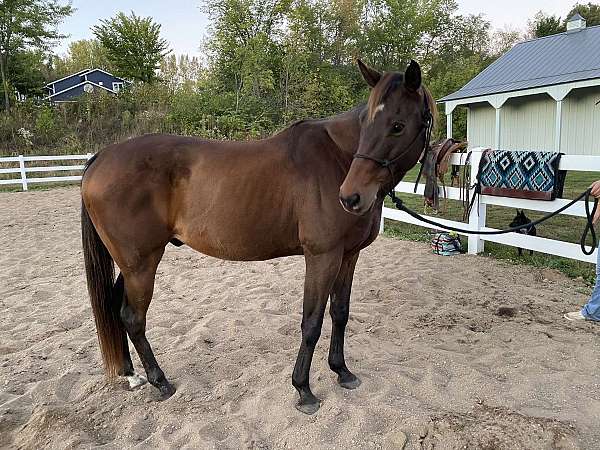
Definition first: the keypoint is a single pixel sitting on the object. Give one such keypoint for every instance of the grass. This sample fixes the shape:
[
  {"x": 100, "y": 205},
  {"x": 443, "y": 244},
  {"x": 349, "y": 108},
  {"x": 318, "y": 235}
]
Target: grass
[
  {"x": 563, "y": 227},
  {"x": 38, "y": 186}
]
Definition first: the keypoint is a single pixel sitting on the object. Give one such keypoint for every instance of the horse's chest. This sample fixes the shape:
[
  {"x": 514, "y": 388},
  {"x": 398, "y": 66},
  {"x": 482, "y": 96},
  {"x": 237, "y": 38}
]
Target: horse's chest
[{"x": 365, "y": 234}]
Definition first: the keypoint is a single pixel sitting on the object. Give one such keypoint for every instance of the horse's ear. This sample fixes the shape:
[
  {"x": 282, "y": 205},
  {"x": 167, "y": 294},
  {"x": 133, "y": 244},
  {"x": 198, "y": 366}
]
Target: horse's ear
[
  {"x": 412, "y": 76},
  {"x": 370, "y": 75}
]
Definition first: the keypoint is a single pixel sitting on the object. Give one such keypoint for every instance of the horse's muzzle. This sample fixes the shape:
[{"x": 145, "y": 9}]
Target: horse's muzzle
[
  {"x": 355, "y": 204},
  {"x": 350, "y": 203}
]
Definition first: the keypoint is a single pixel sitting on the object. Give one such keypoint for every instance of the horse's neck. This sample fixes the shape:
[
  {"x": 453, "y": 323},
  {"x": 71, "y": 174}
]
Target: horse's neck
[{"x": 344, "y": 131}]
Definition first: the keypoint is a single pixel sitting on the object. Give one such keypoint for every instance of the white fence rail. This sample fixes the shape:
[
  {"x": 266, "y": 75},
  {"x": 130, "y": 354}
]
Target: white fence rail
[
  {"x": 477, "y": 218},
  {"x": 22, "y": 168}
]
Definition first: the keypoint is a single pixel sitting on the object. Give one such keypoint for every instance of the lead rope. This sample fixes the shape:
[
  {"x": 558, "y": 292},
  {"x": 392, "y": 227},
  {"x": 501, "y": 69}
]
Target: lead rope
[{"x": 589, "y": 226}]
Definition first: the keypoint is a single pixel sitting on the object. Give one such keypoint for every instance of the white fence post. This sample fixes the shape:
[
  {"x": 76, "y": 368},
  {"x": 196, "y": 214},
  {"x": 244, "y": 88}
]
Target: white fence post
[
  {"x": 381, "y": 224},
  {"x": 479, "y": 210},
  {"x": 23, "y": 173}
]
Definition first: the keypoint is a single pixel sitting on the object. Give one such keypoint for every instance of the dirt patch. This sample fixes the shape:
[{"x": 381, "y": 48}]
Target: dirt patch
[
  {"x": 433, "y": 339},
  {"x": 488, "y": 428}
]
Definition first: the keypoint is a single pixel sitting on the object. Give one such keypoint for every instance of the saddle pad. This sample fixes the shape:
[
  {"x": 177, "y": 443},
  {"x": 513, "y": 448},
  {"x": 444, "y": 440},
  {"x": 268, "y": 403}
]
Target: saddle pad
[{"x": 521, "y": 174}]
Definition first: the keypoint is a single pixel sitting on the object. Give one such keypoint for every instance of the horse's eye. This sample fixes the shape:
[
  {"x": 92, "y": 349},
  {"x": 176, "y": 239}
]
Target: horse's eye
[{"x": 397, "y": 128}]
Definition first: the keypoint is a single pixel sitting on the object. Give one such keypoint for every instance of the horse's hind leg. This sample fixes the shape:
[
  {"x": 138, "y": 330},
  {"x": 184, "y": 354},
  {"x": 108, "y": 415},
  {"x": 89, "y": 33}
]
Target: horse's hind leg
[
  {"x": 339, "y": 309},
  {"x": 135, "y": 380},
  {"x": 119, "y": 295},
  {"x": 321, "y": 271},
  {"x": 139, "y": 287}
]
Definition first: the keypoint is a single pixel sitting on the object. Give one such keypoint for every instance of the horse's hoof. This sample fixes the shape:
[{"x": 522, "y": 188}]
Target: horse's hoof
[
  {"x": 166, "y": 390},
  {"x": 136, "y": 380},
  {"x": 350, "y": 382},
  {"x": 308, "y": 408}
]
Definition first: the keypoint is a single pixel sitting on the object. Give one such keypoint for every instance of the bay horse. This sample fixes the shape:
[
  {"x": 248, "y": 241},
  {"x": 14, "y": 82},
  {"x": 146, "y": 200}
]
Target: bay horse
[{"x": 314, "y": 189}]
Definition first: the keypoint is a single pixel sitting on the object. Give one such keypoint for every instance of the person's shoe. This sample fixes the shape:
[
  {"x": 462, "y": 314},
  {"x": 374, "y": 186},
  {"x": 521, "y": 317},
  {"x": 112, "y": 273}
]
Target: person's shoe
[{"x": 575, "y": 315}]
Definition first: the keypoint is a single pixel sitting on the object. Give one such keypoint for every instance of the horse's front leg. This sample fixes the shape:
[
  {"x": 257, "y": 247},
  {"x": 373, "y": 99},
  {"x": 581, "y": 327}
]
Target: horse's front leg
[
  {"x": 339, "y": 309},
  {"x": 321, "y": 272}
]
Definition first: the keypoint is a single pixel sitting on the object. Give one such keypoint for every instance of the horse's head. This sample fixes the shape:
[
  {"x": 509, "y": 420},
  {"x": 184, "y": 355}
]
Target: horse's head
[{"x": 395, "y": 129}]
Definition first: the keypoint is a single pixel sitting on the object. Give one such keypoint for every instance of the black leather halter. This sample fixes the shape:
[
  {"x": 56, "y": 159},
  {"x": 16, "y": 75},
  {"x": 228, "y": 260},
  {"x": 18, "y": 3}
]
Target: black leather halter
[{"x": 426, "y": 127}]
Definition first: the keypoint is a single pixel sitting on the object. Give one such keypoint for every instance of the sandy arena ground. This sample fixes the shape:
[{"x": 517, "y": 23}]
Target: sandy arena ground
[{"x": 441, "y": 366}]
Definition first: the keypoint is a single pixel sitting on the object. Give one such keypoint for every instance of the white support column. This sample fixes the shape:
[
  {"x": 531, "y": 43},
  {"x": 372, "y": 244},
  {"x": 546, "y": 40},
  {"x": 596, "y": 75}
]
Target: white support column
[
  {"x": 23, "y": 173},
  {"x": 478, "y": 213},
  {"x": 558, "y": 132},
  {"x": 449, "y": 125},
  {"x": 469, "y": 125},
  {"x": 497, "y": 135}
]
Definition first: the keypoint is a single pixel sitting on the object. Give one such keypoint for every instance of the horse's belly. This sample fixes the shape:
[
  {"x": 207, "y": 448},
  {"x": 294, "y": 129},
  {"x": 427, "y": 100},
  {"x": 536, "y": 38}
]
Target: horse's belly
[{"x": 237, "y": 241}]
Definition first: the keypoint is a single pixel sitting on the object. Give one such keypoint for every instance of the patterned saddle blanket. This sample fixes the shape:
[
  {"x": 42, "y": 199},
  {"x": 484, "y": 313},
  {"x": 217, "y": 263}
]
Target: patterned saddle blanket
[{"x": 521, "y": 174}]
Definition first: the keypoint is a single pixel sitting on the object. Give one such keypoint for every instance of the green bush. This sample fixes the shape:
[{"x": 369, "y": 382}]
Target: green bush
[{"x": 46, "y": 129}]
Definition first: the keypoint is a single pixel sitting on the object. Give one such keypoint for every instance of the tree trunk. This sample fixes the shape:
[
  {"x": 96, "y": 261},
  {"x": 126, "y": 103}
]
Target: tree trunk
[
  {"x": 4, "y": 84},
  {"x": 287, "y": 91},
  {"x": 237, "y": 93}
]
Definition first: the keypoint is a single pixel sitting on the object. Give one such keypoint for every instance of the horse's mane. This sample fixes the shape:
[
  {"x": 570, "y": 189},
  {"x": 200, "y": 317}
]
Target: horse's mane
[{"x": 432, "y": 106}]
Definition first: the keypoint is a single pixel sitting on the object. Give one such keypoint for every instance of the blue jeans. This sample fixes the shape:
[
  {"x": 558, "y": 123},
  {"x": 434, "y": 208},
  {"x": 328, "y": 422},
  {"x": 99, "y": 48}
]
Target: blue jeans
[{"x": 592, "y": 308}]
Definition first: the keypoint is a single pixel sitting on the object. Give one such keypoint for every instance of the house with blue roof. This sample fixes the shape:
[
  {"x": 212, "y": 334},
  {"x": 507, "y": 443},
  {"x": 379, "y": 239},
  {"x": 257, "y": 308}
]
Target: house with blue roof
[
  {"x": 67, "y": 89},
  {"x": 542, "y": 94}
]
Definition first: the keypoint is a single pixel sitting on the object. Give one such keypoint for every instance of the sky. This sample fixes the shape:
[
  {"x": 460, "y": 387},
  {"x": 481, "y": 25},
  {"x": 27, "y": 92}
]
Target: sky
[{"x": 184, "y": 24}]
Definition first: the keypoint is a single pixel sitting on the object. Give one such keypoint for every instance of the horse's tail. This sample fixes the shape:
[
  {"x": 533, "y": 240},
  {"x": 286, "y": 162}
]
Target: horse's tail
[{"x": 105, "y": 296}]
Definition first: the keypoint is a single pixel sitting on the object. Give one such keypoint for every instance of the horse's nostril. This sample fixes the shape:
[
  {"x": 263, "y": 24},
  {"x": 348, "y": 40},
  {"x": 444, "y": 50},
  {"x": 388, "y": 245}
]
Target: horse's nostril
[
  {"x": 351, "y": 201},
  {"x": 354, "y": 200}
]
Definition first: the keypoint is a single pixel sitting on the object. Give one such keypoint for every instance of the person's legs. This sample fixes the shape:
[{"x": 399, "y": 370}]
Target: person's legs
[{"x": 591, "y": 310}]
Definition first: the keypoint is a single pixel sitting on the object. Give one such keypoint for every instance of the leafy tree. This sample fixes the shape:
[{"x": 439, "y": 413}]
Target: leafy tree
[
  {"x": 82, "y": 54},
  {"x": 27, "y": 24},
  {"x": 295, "y": 58},
  {"x": 27, "y": 72},
  {"x": 133, "y": 45},
  {"x": 503, "y": 40},
  {"x": 318, "y": 77},
  {"x": 589, "y": 11},
  {"x": 245, "y": 54},
  {"x": 180, "y": 73},
  {"x": 544, "y": 25},
  {"x": 463, "y": 52},
  {"x": 395, "y": 31}
]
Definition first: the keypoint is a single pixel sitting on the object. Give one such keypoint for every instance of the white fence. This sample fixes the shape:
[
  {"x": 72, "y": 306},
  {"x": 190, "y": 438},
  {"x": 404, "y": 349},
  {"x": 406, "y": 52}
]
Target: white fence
[
  {"x": 477, "y": 218},
  {"x": 22, "y": 168}
]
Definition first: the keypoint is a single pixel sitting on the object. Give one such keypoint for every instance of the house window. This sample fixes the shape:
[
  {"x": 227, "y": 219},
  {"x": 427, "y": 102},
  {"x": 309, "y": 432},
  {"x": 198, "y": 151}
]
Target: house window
[
  {"x": 117, "y": 86},
  {"x": 101, "y": 83}
]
